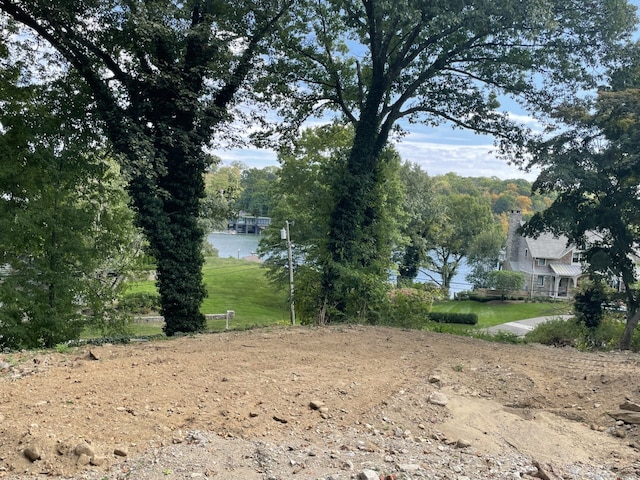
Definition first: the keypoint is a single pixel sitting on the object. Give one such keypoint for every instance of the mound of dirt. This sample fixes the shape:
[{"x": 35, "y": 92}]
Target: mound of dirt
[{"x": 336, "y": 402}]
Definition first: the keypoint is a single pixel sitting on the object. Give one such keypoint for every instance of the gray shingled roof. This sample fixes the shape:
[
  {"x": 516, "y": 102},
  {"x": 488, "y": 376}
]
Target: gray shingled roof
[{"x": 548, "y": 245}]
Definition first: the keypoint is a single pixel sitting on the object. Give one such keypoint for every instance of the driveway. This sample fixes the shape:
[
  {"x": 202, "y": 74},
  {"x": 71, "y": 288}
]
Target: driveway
[{"x": 521, "y": 327}]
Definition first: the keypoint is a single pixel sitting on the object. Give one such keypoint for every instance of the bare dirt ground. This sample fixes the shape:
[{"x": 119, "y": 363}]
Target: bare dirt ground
[{"x": 387, "y": 403}]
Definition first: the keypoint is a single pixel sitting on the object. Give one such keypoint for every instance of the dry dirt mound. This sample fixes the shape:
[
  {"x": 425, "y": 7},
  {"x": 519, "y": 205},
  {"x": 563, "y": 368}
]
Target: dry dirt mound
[{"x": 238, "y": 405}]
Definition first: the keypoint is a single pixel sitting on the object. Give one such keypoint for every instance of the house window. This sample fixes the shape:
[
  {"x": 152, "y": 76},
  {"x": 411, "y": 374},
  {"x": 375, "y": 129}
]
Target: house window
[
  {"x": 577, "y": 257},
  {"x": 541, "y": 261},
  {"x": 540, "y": 281}
]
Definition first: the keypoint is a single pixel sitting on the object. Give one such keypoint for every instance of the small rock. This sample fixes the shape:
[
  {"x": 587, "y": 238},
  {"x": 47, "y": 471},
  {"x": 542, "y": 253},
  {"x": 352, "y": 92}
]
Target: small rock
[
  {"x": 98, "y": 460},
  {"x": 63, "y": 448},
  {"x": 435, "y": 379},
  {"x": 409, "y": 467},
  {"x": 316, "y": 404},
  {"x": 33, "y": 453},
  {"x": 462, "y": 443},
  {"x": 121, "y": 451},
  {"x": 83, "y": 460},
  {"x": 630, "y": 406},
  {"x": 84, "y": 449},
  {"x": 438, "y": 398},
  {"x": 346, "y": 465},
  {"x": 94, "y": 354},
  {"x": 368, "y": 475}
]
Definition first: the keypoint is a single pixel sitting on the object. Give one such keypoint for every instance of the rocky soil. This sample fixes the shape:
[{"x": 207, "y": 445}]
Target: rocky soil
[{"x": 320, "y": 403}]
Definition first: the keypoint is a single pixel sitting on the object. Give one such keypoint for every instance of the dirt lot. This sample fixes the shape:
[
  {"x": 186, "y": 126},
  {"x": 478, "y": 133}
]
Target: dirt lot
[{"x": 404, "y": 404}]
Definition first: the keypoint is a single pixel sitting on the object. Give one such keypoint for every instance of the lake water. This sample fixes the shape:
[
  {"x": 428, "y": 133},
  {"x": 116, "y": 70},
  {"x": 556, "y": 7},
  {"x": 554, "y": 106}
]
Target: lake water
[
  {"x": 241, "y": 246},
  {"x": 234, "y": 245}
]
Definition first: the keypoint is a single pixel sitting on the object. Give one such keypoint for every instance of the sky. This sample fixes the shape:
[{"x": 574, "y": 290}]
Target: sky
[{"x": 437, "y": 150}]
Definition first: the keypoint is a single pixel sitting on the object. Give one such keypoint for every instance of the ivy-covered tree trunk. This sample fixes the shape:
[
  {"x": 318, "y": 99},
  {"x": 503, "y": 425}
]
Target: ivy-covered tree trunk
[
  {"x": 356, "y": 236},
  {"x": 168, "y": 214}
]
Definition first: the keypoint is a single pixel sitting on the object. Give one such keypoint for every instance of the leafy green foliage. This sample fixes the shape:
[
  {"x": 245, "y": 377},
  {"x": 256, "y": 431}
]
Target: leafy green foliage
[
  {"x": 255, "y": 197},
  {"x": 464, "y": 220},
  {"x": 588, "y": 302},
  {"x": 162, "y": 76},
  {"x": 558, "y": 333},
  {"x": 306, "y": 198},
  {"x": 422, "y": 210},
  {"x": 483, "y": 255},
  {"x": 139, "y": 302},
  {"x": 505, "y": 281},
  {"x": 68, "y": 238},
  {"x": 447, "y": 317},
  {"x": 409, "y": 307},
  {"x": 378, "y": 62},
  {"x": 575, "y": 333},
  {"x": 593, "y": 166}
]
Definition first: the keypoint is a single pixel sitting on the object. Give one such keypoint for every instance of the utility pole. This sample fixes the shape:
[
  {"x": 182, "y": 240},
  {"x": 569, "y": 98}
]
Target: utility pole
[{"x": 284, "y": 235}]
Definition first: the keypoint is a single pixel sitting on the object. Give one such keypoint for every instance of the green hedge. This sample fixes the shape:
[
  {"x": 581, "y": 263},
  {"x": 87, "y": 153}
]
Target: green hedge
[
  {"x": 447, "y": 317},
  {"x": 140, "y": 302}
]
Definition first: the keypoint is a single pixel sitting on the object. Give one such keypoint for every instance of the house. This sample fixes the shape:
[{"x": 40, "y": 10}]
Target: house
[
  {"x": 245, "y": 223},
  {"x": 551, "y": 266}
]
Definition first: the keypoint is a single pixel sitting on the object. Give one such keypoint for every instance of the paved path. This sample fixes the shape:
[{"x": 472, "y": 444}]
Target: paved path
[{"x": 521, "y": 327}]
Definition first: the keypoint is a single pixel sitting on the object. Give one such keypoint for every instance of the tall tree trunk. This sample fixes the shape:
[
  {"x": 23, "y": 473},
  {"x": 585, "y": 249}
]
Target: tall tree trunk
[
  {"x": 350, "y": 246},
  {"x": 167, "y": 211},
  {"x": 632, "y": 322}
]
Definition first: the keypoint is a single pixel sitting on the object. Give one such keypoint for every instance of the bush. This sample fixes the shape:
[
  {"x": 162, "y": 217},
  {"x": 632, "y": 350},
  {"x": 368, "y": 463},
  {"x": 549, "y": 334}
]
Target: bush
[
  {"x": 558, "y": 333},
  {"x": 459, "y": 318},
  {"x": 140, "y": 302},
  {"x": 587, "y": 303},
  {"x": 409, "y": 307}
]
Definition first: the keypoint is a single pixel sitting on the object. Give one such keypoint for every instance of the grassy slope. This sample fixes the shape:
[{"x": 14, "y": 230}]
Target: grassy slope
[
  {"x": 232, "y": 284},
  {"x": 241, "y": 286},
  {"x": 495, "y": 313}
]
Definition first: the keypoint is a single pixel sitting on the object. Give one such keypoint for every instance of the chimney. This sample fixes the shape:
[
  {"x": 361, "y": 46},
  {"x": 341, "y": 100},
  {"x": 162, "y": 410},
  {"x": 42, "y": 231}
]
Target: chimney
[{"x": 515, "y": 220}]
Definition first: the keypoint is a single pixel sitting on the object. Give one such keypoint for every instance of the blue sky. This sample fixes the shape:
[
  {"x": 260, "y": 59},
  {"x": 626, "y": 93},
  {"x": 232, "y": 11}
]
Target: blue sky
[{"x": 438, "y": 150}]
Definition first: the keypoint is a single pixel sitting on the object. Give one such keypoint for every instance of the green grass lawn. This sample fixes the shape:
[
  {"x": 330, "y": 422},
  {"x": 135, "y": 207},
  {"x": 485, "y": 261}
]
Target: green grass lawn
[
  {"x": 241, "y": 286},
  {"x": 232, "y": 284},
  {"x": 495, "y": 313}
]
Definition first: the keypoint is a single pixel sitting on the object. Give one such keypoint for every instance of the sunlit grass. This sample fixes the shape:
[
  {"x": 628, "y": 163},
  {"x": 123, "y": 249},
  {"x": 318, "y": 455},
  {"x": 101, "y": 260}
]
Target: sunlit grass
[
  {"x": 232, "y": 284},
  {"x": 496, "y": 313}
]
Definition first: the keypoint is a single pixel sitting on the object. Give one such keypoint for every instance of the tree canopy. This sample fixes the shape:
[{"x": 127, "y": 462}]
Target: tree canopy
[
  {"x": 376, "y": 62},
  {"x": 67, "y": 238},
  {"x": 594, "y": 167},
  {"x": 163, "y": 76}
]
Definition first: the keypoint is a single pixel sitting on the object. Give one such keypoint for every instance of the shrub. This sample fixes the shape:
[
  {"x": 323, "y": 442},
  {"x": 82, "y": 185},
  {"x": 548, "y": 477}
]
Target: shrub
[
  {"x": 505, "y": 281},
  {"x": 409, "y": 307},
  {"x": 140, "y": 302},
  {"x": 587, "y": 302},
  {"x": 558, "y": 333},
  {"x": 460, "y": 318}
]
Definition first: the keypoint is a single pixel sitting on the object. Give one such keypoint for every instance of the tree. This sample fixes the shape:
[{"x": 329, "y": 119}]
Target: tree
[
  {"x": 255, "y": 197},
  {"x": 422, "y": 210},
  {"x": 588, "y": 302},
  {"x": 222, "y": 191},
  {"x": 67, "y": 233},
  {"x": 377, "y": 62},
  {"x": 505, "y": 281},
  {"x": 163, "y": 76},
  {"x": 464, "y": 219},
  {"x": 483, "y": 255},
  {"x": 594, "y": 167},
  {"x": 304, "y": 197}
]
